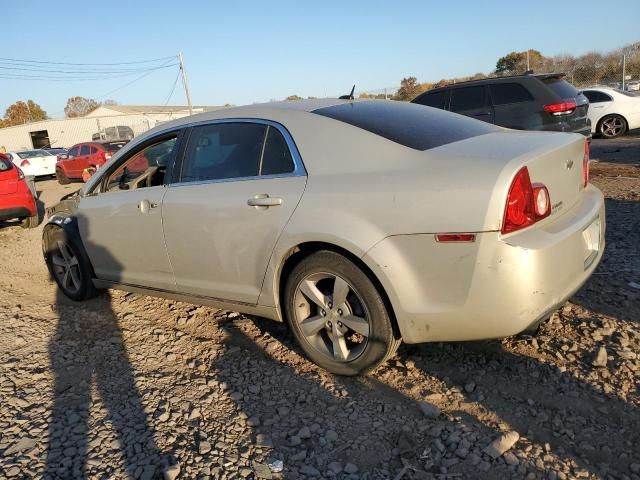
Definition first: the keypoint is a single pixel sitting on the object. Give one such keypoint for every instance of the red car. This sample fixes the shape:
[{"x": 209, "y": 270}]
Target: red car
[
  {"x": 16, "y": 198},
  {"x": 83, "y": 156}
]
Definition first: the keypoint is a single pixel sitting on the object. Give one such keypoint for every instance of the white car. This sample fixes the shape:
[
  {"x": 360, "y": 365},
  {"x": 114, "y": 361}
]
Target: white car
[
  {"x": 34, "y": 162},
  {"x": 632, "y": 86},
  {"x": 612, "y": 112}
]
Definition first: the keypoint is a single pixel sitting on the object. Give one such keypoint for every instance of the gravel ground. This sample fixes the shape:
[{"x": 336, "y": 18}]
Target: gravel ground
[{"x": 128, "y": 386}]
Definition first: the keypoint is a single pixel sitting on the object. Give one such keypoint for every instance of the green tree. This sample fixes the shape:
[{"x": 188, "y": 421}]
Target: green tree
[
  {"x": 408, "y": 90},
  {"x": 23, "y": 112},
  {"x": 509, "y": 63},
  {"x": 80, "y": 106}
]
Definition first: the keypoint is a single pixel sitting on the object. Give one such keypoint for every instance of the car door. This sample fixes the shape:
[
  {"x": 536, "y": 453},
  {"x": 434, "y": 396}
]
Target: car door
[
  {"x": 121, "y": 221},
  {"x": 238, "y": 186},
  {"x": 473, "y": 102},
  {"x": 76, "y": 162},
  {"x": 599, "y": 105}
]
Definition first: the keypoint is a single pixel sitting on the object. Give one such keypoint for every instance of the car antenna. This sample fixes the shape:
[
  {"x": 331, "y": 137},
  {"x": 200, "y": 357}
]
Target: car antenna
[{"x": 350, "y": 96}]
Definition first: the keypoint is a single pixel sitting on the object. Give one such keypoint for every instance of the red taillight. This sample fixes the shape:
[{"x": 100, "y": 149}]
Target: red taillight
[
  {"x": 561, "y": 108},
  {"x": 20, "y": 173},
  {"x": 25, "y": 163},
  {"x": 106, "y": 155},
  {"x": 526, "y": 203},
  {"x": 585, "y": 164}
]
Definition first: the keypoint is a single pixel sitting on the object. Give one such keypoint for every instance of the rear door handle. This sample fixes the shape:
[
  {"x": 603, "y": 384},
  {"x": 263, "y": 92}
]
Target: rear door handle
[
  {"x": 481, "y": 114},
  {"x": 145, "y": 205},
  {"x": 264, "y": 200}
]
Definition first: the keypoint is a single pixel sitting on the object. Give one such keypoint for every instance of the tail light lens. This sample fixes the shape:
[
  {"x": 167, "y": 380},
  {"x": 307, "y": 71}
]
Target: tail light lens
[
  {"x": 526, "y": 203},
  {"x": 20, "y": 173},
  {"x": 106, "y": 155},
  {"x": 25, "y": 163},
  {"x": 585, "y": 164},
  {"x": 565, "y": 107}
]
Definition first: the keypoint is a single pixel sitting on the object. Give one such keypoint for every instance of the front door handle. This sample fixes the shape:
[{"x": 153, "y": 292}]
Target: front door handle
[
  {"x": 145, "y": 205},
  {"x": 263, "y": 200},
  {"x": 481, "y": 114}
]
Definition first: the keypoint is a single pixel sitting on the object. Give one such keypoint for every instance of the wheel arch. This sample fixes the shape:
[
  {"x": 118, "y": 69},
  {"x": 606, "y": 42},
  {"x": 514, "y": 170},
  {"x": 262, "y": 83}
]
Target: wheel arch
[
  {"x": 301, "y": 251},
  {"x": 68, "y": 224},
  {"x": 602, "y": 119}
]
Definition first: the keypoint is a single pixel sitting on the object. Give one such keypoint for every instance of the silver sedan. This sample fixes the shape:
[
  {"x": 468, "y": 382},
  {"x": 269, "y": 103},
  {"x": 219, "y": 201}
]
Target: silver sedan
[{"x": 360, "y": 223}]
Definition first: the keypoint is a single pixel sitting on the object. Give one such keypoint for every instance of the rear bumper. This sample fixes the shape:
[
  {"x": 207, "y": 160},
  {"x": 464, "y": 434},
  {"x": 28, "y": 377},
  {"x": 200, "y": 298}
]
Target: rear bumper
[
  {"x": 498, "y": 285},
  {"x": 17, "y": 205}
]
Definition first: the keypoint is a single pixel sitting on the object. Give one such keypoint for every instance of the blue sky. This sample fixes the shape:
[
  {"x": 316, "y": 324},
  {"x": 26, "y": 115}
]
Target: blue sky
[{"x": 247, "y": 51}]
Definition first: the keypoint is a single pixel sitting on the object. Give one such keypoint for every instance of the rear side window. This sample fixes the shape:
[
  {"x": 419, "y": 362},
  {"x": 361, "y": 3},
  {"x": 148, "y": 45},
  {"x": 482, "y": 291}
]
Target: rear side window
[
  {"x": 561, "y": 87},
  {"x": 223, "y": 151},
  {"x": 406, "y": 123},
  {"x": 435, "y": 99},
  {"x": 504, "y": 93},
  {"x": 277, "y": 157},
  {"x": 4, "y": 165},
  {"x": 468, "y": 98},
  {"x": 93, "y": 150},
  {"x": 84, "y": 150},
  {"x": 596, "y": 97}
]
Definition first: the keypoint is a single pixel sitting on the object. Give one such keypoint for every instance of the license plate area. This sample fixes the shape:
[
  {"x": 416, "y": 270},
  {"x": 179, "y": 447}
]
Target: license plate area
[{"x": 591, "y": 239}]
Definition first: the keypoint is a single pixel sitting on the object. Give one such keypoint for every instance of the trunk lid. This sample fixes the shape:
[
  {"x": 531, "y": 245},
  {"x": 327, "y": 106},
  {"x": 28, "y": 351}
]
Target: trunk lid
[{"x": 554, "y": 159}]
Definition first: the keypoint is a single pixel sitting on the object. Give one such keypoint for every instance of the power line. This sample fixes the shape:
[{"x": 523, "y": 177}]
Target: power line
[
  {"x": 129, "y": 83},
  {"x": 154, "y": 60},
  {"x": 85, "y": 77},
  {"x": 28, "y": 68},
  {"x": 175, "y": 82}
]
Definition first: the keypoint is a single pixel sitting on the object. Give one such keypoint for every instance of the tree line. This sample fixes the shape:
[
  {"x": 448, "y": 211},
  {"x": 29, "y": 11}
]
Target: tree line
[{"x": 25, "y": 112}]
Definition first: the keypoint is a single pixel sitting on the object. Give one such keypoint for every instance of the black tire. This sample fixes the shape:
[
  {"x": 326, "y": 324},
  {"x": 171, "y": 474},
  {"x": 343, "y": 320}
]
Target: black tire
[
  {"x": 612, "y": 126},
  {"x": 62, "y": 178},
  {"x": 31, "y": 222},
  {"x": 382, "y": 341},
  {"x": 82, "y": 268}
]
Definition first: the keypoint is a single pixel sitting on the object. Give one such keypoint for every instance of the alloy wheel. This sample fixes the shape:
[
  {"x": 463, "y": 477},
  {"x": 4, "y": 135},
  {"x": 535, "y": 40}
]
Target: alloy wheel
[
  {"x": 66, "y": 267},
  {"x": 612, "y": 127},
  {"x": 332, "y": 316}
]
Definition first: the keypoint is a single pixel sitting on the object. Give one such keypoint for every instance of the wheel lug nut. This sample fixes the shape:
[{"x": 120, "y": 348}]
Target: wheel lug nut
[
  {"x": 340, "y": 324},
  {"x": 323, "y": 313},
  {"x": 339, "y": 312},
  {"x": 330, "y": 305}
]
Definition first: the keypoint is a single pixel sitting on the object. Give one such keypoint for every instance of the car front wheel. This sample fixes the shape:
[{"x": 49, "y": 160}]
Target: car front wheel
[
  {"x": 612, "y": 126},
  {"x": 337, "y": 315},
  {"x": 62, "y": 178},
  {"x": 68, "y": 266}
]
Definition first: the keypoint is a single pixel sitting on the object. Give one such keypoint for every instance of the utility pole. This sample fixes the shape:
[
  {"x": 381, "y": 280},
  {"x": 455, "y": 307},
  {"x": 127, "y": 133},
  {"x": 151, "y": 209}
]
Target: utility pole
[
  {"x": 624, "y": 68},
  {"x": 528, "y": 67},
  {"x": 185, "y": 84}
]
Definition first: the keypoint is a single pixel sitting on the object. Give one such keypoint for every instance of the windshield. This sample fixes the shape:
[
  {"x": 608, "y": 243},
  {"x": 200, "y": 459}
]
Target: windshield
[{"x": 33, "y": 154}]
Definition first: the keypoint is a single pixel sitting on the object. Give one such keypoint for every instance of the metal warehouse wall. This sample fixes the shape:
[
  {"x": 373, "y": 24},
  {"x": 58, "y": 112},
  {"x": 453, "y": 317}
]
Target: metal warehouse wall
[{"x": 68, "y": 131}]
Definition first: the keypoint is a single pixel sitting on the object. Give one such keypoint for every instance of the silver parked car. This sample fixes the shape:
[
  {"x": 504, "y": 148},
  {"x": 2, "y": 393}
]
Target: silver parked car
[{"x": 360, "y": 223}]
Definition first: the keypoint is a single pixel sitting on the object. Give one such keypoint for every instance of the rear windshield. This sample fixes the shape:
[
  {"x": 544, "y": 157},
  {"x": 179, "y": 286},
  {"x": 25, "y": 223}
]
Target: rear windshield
[
  {"x": 113, "y": 147},
  {"x": 33, "y": 154},
  {"x": 411, "y": 125},
  {"x": 561, "y": 87}
]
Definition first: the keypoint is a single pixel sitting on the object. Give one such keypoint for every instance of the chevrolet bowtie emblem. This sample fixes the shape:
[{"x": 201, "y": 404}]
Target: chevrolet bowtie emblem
[{"x": 568, "y": 164}]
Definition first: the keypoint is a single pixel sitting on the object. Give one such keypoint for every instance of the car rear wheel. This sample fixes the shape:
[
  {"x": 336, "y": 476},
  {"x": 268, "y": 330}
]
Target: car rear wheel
[
  {"x": 612, "y": 126},
  {"x": 68, "y": 265},
  {"x": 31, "y": 222},
  {"x": 338, "y": 316},
  {"x": 62, "y": 178}
]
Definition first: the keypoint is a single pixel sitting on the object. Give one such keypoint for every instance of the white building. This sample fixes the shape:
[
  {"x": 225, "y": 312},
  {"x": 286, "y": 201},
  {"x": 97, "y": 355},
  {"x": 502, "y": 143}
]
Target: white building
[{"x": 65, "y": 132}]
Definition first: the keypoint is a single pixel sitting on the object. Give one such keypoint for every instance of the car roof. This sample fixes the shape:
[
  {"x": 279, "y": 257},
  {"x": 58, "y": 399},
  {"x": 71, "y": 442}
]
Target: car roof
[{"x": 540, "y": 76}]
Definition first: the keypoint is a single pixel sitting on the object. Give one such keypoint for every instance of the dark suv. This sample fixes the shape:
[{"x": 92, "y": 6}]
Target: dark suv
[{"x": 522, "y": 102}]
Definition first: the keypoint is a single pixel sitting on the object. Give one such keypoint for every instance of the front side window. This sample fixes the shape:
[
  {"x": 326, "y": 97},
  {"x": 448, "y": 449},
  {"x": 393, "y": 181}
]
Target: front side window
[
  {"x": 505, "y": 93},
  {"x": 467, "y": 98},
  {"x": 84, "y": 150},
  {"x": 145, "y": 168},
  {"x": 73, "y": 152},
  {"x": 223, "y": 151},
  {"x": 276, "y": 158}
]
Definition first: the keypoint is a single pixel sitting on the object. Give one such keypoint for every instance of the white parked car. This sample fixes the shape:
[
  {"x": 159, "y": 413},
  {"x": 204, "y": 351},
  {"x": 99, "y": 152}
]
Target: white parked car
[
  {"x": 34, "y": 162},
  {"x": 632, "y": 86},
  {"x": 612, "y": 112}
]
